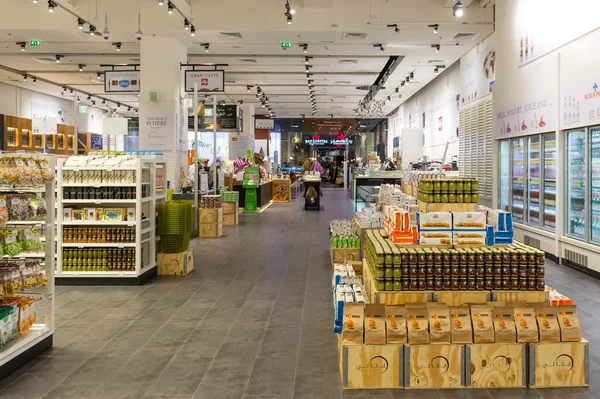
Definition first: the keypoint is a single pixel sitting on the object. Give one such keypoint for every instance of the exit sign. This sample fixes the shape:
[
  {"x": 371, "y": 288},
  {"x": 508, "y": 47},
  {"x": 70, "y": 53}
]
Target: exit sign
[
  {"x": 35, "y": 43},
  {"x": 329, "y": 116},
  {"x": 286, "y": 45}
]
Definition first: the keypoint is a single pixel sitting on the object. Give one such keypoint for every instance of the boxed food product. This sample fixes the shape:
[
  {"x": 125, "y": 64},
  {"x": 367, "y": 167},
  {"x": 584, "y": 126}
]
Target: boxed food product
[
  {"x": 435, "y": 237},
  {"x": 375, "y": 324},
  {"x": 434, "y": 221},
  {"x": 460, "y": 326},
  {"x": 439, "y": 323},
  {"x": 504, "y": 325},
  {"x": 91, "y": 214},
  {"x": 130, "y": 214},
  {"x": 400, "y": 219},
  {"x": 395, "y": 324},
  {"x": 483, "y": 326},
  {"x": 113, "y": 214},
  {"x": 570, "y": 331},
  {"x": 408, "y": 237},
  {"x": 67, "y": 213},
  {"x": 417, "y": 323},
  {"x": 527, "y": 331},
  {"x": 500, "y": 220},
  {"x": 352, "y": 329},
  {"x": 547, "y": 323},
  {"x": 469, "y": 220},
  {"x": 473, "y": 237}
]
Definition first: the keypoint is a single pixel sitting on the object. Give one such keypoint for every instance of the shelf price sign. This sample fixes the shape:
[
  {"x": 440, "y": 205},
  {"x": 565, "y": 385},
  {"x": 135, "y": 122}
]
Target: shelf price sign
[
  {"x": 286, "y": 45},
  {"x": 35, "y": 43}
]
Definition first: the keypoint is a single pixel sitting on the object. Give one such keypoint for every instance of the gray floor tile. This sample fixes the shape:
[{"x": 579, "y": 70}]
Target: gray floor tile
[
  {"x": 31, "y": 386},
  {"x": 222, "y": 386},
  {"x": 182, "y": 376}
]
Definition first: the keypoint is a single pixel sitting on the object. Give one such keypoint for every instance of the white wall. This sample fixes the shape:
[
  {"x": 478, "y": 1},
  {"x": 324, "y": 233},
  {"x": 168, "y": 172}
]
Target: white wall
[
  {"x": 23, "y": 103},
  {"x": 8, "y": 100}
]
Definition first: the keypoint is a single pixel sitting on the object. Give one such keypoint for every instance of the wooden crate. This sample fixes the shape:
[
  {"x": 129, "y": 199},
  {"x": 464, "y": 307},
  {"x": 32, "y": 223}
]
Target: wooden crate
[
  {"x": 459, "y": 298},
  {"x": 434, "y": 366},
  {"x": 178, "y": 264},
  {"x": 391, "y": 297},
  {"x": 371, "y": 366},
  {"x": 232, "y": 219},
  {"x": 231, "y": 208},
  {"x": 427, "y": 207},
  {"x": 211, "y": 230},
  {"x": 338, "y": 255},
  {"x": 211, "y": 215},
  {"x": 521, "y": 296},
  {"x": 564, "y": 364},
  {"x": 496, "y": 366}
]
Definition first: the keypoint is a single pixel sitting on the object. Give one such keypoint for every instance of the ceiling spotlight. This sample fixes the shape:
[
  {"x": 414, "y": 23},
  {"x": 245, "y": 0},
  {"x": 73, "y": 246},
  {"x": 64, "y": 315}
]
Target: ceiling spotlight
[
  {"x": 103, "y": 101},
  {"x": 436, "y": 70},
  {"x": 70, "y": 91},
  {"x": 57, "y": 58},
  {"x": 81, "y": 67},
  {"x": 206, "y": 46},
  {"x": 89, "y": 97},
  {"x": 35, "y": 1},
  {"x": 136, "y": 111},
  {"x": 93, "y": 102},
  {"x": 118, "y": 46},
  {"x": 80, "y": 23},
  {"x": 258, "y": 90},
  {"x": 380, "y": 46},
  {"x": 77, "y": 99},
  {"x": 193, "y": 31},
  {"x": 396, "y": 29},
  {"x": 397, "y": 90},
  {"x": 305, "y": 48},
  {"x": 34, "y": 80},
  {"x": 395, "y": 26},
  {"x": 24, "y": 78},
  {"x": 411, "y": 76},
  {"x": 186, "y": 24},
  {"x": 241, "y": 103},
  {"x": 51, "y": 6},
  {"x": 129, "y": 109},
  {"x": 92, "y": 30},
  {"x": 457, "y": 10},
  {"x": 288, "y": 12},
  {"x": 170, "y": 7},
  {"x": 248, "y": 88},
  {"x": 436, "y": 47},
  {"x": 22, "y": 46},
  {"x": 289, "y": 19},
  {"x": 161, "y": 3},
  {"x": 435, "y": 28},
  {"x": 99, "y": 75}
]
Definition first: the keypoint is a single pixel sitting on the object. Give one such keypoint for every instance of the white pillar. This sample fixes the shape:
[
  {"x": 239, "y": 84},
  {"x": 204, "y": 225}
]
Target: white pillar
[{"x": 161, "y": 74}]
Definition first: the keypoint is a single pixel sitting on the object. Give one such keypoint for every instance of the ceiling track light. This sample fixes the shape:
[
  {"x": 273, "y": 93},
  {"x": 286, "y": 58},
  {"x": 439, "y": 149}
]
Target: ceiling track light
[
  {"x": 34, "y": 81},
  {"x": 81, "y": 67},
  {"x": 92, "y": 30},
  {"x": 186, "y": 24},
  {"x": 436, "y": 70},
  {"x": 93, "y": 102},
  {"x": 98, "y": 75},
  {"x": 22, "y": 44},
  {"x": 380, "y": 46},
  {"x": 57, "y": 58},
  {"x": 51, "y": 6},
  {"x": 305, "y": 48},
  {"x": 437, "y": 47},
  {"x": 411, "y": 76},
  {"x": 77, "y": 99},
  {"x": 103, "y": 101},
  {"x": 24, "y": 78},
  {"x": 89, "y": 97},
  {"x": 161, "y": 3},
  {"x": 395, "y": 26},
  {"x": 206, "y": 47},
  {"x": 170, "y": 7},
  {"x": 117, "y": 46},
  {"x": 289, "y": 11},
  {"x": 80, "y": 23},
  {"x": 34, "y": 1},
  {"x": 435, "y": 28},
  {"x": 193, "y": 31},
  {"x": 457, "y": 9}
]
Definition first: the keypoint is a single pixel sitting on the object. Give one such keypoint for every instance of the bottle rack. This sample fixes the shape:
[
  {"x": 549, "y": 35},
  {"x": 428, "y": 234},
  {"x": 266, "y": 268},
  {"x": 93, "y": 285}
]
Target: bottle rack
[
  {"x": 106, "y": 222},
  {"x": 29, "y": 345}
]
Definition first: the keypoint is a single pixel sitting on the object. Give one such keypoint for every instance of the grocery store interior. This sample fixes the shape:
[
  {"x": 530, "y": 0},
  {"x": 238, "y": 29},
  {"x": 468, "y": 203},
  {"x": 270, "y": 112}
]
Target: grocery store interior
[{"x": 277, "y": 199}]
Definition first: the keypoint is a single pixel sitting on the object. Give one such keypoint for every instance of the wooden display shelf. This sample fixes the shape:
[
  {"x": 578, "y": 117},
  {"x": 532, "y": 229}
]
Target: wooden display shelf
[
  {"x": 520, "y": 296},
  {"x": 496, "y": 365},
  {"x": 564, "y": 364},
  {"x": 427, "y": 207},
  {"x": 391, "y": 297},
  {"x": 371, "y": 366},
  {"x": 339, "y": 255},
  {"x": 439, "y": 366}
]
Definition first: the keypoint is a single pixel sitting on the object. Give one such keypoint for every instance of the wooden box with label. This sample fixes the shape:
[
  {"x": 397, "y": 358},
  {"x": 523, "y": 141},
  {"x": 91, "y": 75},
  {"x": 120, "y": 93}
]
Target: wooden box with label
[
  {"x": 178, "y": 264},
  {"x": 211, "y": 230},
  {"x": 230, "y": 208},
  {"x": 232, "y": 219},
  {"x": 496, "y": 365},
  {"x": 436, "y": 366},
  {"x": 564, "y": 364},
  {"x": 211, "y": 215},
  {"x": 371, "y": 366}
]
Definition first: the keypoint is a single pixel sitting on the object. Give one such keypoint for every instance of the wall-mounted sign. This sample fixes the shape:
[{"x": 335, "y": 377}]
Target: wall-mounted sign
[
  {"x": 533, "y": 116},
  {"x": 83, "y": 109},
  {"x": 208, "y": 81},
  {"x": 477, "y": 73},
  {"x": 328, "y": 125},
  {"x": 156, "y": 131},
  {"x": 580, "y": 105},
  {"x": 264, "y": 124},
  {"x": 121, "y": 81},
  {"x": 95, "y": 142},
  {"x": 43, "y": 125},
  {"x": 35, "y": 43},
  {"x": 328, "y": 142},
  {"x": 286, "y": 45},
  {"x": 115, "y": 126}
]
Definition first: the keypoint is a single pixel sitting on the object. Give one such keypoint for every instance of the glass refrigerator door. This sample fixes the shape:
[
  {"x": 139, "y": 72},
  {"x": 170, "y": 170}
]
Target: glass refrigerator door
[
  {"x": 576, "y": 184},
  {"x": 595, "y": 183},
  {"x": 533, "y": 175},
  {"x": 504, "y": 171},
  {"x": 518, "y": 179},
  {"x": 550, "y": 181}
]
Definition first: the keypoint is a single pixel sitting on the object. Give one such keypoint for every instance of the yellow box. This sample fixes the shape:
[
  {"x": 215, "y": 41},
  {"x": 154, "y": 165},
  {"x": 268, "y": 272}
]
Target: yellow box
[
  {"x": 496, "y": 365},
  {"x": 371, "y": 366},
  {"x": 211, "y": 215},
  {"x": 178, "y": 264},
  {"x": 211, "y": 230},
  {"x": 232, "y": 219},
  {"x": 230, "y": 208}
]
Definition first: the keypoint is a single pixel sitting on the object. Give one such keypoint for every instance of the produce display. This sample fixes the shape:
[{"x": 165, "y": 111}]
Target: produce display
[
  {"x": 462, "y": 190},
  {"x": 21, "y": 240},
  {"x": 22, "y": 207},
  {"x": 516, "y": 267},
  {"x": 99, "y": 235},
  {"x": 211, "y": 201},
  {"x": 24, "y": 171},
  {"x": 98, "y": 259},
  {"x": 435, "y": 323},
  {"x": 342, "y": 234}
]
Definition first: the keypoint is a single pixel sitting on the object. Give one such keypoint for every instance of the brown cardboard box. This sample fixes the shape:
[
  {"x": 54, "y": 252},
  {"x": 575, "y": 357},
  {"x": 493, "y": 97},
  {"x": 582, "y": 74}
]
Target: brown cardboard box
[
  {"x": 211, "y": 215},
  {"x": 211, "y": 230},
  {"x": 231, "y": 219},
  {"x": 230, "y": 208},
  {"x": 178, "y": 264}
]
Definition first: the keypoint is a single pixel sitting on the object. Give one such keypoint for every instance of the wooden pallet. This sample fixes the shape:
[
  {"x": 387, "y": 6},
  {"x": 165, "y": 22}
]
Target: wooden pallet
[
  {"x": 564, "y": 364},
  {"x": 371, "y": 366},
  {"x": 339, "y": 255},
  {"x": 520, "y": 296},
  {"x": 496, "y": 365},
  {"x": 434, "y": 366},
  {"x": 427, "y": 207}
]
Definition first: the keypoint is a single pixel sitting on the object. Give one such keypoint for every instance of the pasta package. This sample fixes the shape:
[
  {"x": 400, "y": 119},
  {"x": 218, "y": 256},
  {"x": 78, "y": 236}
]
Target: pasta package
[
  {"x": 483, "y": 326},
  {"x": 375, "y": 324},
  {"x": 396, "y": 324},
  {"x": 570, "y": 330},
  {"x": 527, "y": 331},
  {"x": 461, "y": 331},
  {"x": 547, "y": 323},
  {"x": 504, "y": 325}
]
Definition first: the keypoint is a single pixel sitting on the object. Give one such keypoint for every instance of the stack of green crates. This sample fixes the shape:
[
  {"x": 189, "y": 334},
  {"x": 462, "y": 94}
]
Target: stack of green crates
[
  {"x": 175, "y": 224},
  {"x": 230, "y": 196}
]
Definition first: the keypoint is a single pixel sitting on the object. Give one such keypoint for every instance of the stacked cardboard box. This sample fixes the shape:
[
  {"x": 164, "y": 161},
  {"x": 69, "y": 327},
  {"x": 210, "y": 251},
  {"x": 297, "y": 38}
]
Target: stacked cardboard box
[
  {"x": 397, "y": 225},
  {"x": 231, "y": 215}
]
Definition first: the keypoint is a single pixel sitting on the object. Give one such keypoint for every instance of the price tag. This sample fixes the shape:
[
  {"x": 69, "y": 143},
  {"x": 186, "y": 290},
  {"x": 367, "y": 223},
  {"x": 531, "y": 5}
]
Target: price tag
[
  {"x": 38, "y": 195},
  {"x": 97, "y": 202},
  {"x": 80, "y": 246},
  {"x": 121, "y": 246}
]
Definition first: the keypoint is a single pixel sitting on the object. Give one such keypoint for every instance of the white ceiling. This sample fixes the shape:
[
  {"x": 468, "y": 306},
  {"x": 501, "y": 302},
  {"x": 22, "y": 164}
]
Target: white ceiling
[{"x": 338, "y": 63}]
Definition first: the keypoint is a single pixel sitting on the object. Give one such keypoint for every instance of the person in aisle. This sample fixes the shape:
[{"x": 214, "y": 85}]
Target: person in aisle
[{"x": 389, "y": 164}]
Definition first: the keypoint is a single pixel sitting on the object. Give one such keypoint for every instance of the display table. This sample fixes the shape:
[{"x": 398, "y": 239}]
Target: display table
[
  {"x": 264, "y": 193},
  {"x": 365, "y": 185},
  {"x": 281, "y": 190}
]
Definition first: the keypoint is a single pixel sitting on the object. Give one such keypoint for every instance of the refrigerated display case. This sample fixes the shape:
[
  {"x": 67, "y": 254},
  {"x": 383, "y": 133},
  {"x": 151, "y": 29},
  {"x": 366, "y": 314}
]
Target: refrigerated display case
[
  {"x": 595, "y": 183},
  {"x": 518, "y": 179},
  {"x": 549, "y": 199},
  {"x": 533, "y": 180},
  {"x": 504, "y": 170},
  {"x": 575, "y": 187}
]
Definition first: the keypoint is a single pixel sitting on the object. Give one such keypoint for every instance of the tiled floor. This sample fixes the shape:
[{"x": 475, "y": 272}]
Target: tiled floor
[{"x": 252, "y": 321}]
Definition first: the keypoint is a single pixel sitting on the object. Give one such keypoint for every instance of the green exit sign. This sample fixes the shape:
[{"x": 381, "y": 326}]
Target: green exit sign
[
  {"x": 286, "y": 45},
  {"x": 329, "y": 116},
  {"x": 35, "y": 43}
]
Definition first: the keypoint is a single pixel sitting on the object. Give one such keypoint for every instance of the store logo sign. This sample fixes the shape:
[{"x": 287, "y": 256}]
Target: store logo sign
[
  {"x": 439, "y": 362},
  {"x": 204, "y": 82},
  {"x": 563, "y": 361},
  {"x": 595, "y": 93},
  {"x": 124, "y": 83},
  {"x": 376, "y": 363}
]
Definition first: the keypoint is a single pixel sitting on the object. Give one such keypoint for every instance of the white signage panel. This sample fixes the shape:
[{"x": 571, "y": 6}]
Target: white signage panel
[
  {"x": 43, "y": 125},
  {"x": 121, "y": 81},
  {"x": 156, "y": 129},
  {"x": 580, "y": 105},
  {"x": 208, "y": 81},
  {"x": 115, "y": 126},
  {"x": 532, "y": 116},
  {"x": 477, "y": 74},
  {"x": 266, "y": 124}
]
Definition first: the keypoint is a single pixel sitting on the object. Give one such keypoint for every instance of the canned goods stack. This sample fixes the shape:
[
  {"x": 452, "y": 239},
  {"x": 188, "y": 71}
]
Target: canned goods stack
[{"x": 449, "y": 191}]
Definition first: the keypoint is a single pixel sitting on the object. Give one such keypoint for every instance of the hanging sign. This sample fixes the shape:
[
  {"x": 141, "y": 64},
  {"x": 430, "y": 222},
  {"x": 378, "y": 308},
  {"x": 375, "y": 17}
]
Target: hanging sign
[
  {"x": 43, "y": 125},
  {"x": 264, "y": 124},
  {"x": 532, "y": 116},
  {"x": 226, "y": 118},
  {"x": 121, "y": 81},
  {"x": 156, "y": 129},
  {"x": 208, "y": 81}
]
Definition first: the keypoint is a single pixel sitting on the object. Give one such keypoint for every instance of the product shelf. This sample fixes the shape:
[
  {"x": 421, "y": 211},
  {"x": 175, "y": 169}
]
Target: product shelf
[
  {"x": 100, "y": 223},
  {"x": 95, "y": 185},
  {"x": 99, "y": 201},
  {"x": 99, "y": 245}
]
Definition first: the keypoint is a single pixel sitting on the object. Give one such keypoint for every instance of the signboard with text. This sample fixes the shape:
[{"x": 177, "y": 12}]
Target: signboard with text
[
  {"x": 264, "y": 124},
  {"x": 121, "y": 81},
  {"x": 328, "y": 141},
  {"x": 227, "y": 118},
  {"x": 318, "y": 125},
  {"x": 155, "y": 130},
  {"x": 536, "y": 115},
  {"x": 43, "y": 125},
  {"x": 208, "y": 81}
]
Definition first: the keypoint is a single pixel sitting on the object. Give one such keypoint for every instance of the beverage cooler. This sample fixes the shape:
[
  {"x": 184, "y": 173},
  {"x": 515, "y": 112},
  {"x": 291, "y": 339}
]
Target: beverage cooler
[{"x": 527, "y": 174}]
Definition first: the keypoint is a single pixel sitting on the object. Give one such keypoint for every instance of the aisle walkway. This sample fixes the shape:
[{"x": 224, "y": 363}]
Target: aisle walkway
[{"x": 252, "y": 321}]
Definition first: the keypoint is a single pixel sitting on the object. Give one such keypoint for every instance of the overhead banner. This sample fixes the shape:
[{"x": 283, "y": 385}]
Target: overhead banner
[
  {"x": 43, "y": 125},
  {"x": 121, "y": 81},
  {"x": 208, "y": 81},
  {"x": 115, "y": 126},
  {"x": 533, "y": 116},
  {"x": 264, "y": 124},
  {"x": 318, "y": 125},
  {"x": 155, "y": 131}
]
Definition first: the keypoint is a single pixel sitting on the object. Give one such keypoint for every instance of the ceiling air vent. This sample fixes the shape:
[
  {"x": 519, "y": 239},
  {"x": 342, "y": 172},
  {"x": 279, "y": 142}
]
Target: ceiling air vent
[
  {"x": 435, "y": 62},
  {"x": 230, "y": 81},
  {"x": 463, "y": 36},
  {"x": 235, "y": 35},
  {"x": 45, "y": 60},
  {"x": 348, "y": 62},
  {"x": 354, "y": 36},
  {"x": 342, "y": 82},
  {"x": 248, "y": 60}
]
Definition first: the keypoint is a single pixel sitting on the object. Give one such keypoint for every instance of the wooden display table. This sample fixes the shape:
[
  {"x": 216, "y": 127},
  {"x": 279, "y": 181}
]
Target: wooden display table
[
  {"x": 427, "y": 207},
  {"x": 562, "y": 364}
]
